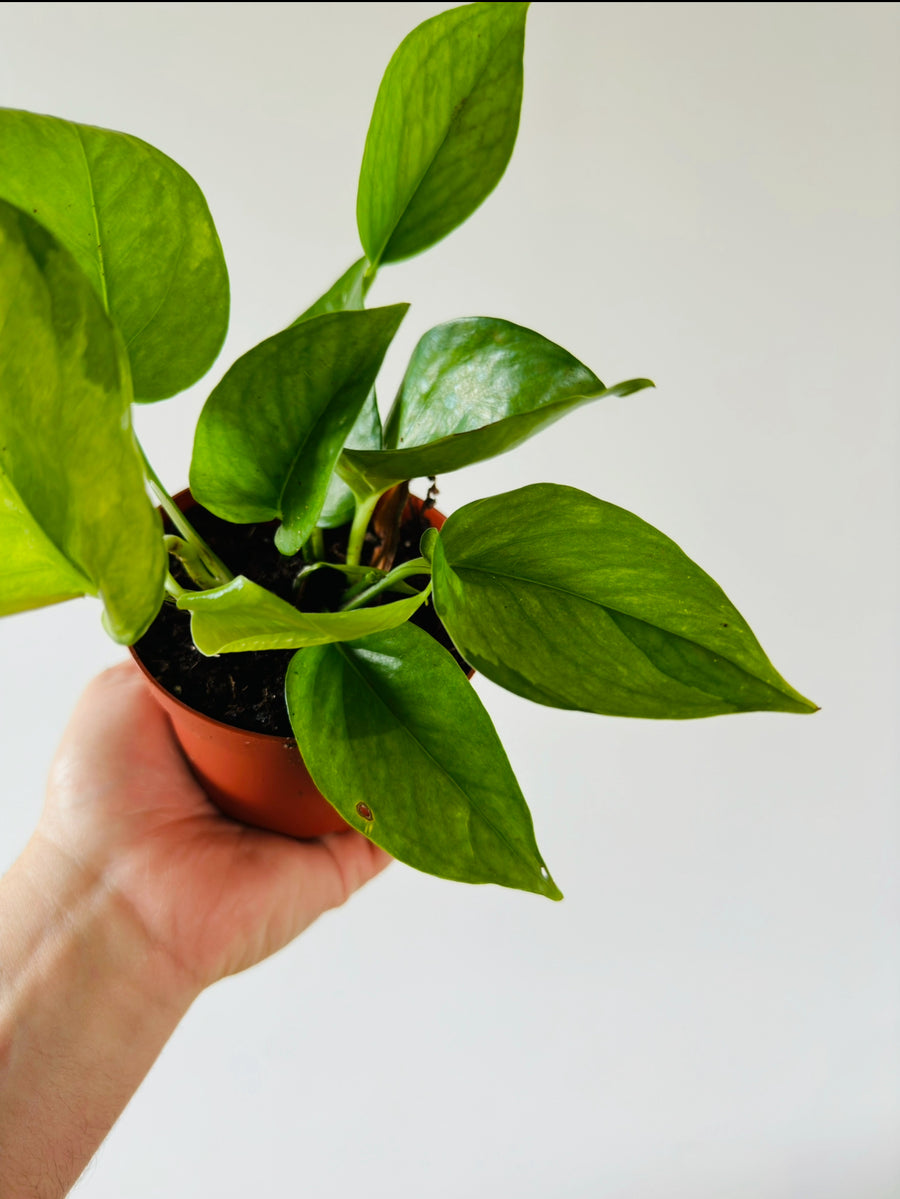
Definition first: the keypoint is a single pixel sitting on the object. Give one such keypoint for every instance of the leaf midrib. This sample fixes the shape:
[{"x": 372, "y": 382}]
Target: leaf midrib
[
  {"x": 427, "y": 752},
  {"x": 454, "y": 121},
  {"x": 610, "y": 608},
  {"x": 90, "y": 587},
  {"x": 581, "y": 397},
  {"x": 98, "y": 243},
  {"x": 313, "y": 627},
  {"x": 289, "y": 474}
]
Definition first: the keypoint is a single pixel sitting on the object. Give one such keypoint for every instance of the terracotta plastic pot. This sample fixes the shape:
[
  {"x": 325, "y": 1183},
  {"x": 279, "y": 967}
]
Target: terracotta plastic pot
[{"x": 256, "y": 778}]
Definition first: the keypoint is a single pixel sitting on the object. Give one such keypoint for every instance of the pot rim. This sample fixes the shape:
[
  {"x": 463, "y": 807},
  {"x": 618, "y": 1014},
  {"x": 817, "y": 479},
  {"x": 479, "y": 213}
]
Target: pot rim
[
  {"x": 180, "y": 498},
  {"x": 249, "y": 734}
]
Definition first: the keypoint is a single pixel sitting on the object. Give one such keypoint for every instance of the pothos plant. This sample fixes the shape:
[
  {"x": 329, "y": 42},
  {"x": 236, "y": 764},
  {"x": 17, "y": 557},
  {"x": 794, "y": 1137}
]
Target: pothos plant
[{"x": 115, "y": 291}]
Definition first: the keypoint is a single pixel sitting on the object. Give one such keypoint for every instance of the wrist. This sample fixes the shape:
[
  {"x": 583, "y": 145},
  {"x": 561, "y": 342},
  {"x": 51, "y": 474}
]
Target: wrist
[
  {"x": 63, "y": 908},
  {"x": 87, "y": 1002}
]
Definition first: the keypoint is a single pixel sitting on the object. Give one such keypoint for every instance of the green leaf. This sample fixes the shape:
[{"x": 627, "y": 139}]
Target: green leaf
[
  {"x": 340, "y": 503},
  {"x": 348, "y": 294},
  {"x": 474, "y": 388},
  {"x": 576, "y": 603},
  {"x": 139, "y": 228},
  {"x": 443, "y": 128},
  {"x": 244, "y": 616},
  {"x": 397, "y": 740},
  {"x": 270, "y": 434},
  {"x": 35, "y": 573},
  {"x": 74, "y": 515},
  {"x": 427, "y": 543}
]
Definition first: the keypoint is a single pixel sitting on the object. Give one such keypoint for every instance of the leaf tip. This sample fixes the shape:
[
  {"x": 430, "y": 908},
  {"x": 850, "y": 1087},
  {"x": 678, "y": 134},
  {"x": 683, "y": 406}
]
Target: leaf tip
[
  {"x": 548, "y": 886},
  {"x": 288, "y": 541},
  {"x": 427, "y": 543}
]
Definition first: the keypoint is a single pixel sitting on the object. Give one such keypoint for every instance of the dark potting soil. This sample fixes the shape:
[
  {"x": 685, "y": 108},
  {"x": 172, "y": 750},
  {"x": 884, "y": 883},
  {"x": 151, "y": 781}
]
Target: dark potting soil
[{"x": 247, "y": 689}]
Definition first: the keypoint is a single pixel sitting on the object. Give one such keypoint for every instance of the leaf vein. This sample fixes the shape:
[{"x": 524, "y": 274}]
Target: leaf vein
[{"x": 516, "y": 850}]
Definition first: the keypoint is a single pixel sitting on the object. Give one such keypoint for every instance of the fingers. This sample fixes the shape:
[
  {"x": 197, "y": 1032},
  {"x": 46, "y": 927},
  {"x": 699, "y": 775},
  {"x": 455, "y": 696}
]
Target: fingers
[{"x": 356, "y": 860}]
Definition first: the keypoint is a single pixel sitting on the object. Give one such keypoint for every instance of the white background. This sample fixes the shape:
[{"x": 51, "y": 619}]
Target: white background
[{"x": 708, "y": 195}]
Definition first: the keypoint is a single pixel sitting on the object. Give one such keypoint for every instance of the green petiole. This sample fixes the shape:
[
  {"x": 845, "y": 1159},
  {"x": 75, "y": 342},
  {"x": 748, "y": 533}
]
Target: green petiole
[
  {"x": 418, "y": 566},
  {"x": 173, "y": 588},
  {"x": 212, "y": 566},
  {"x": 361, "y": 518}
]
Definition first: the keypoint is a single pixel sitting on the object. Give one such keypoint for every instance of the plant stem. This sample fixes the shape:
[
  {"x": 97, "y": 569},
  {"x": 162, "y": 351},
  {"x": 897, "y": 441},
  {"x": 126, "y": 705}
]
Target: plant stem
[
  {"x": 217, "y": 570},
  {"x": 363, "y": 515},
  {"x": 418, "y": 566},
  {"x": 364, "y": 575},
  {"x": 318, "y": 543},
  {"x": 173, "y": 588}
]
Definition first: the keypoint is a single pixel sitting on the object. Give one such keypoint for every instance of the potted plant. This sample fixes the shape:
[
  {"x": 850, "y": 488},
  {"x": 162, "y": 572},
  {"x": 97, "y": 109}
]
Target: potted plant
[{"x": 297, "y": 555}]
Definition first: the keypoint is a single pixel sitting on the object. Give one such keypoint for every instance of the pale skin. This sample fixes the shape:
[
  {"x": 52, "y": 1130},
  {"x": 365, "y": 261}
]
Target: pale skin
[{"x": 132, "y": 896}]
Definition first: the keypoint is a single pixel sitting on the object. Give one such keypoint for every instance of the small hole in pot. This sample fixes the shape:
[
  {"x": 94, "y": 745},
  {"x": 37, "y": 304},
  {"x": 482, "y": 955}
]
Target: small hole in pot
[{"x": 365, "y": 811}]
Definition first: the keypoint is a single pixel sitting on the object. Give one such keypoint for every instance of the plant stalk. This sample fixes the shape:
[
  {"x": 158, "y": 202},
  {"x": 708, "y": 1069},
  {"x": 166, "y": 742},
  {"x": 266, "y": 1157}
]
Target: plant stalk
[
  {"x": 418, "y": 566},
  {"x": 173, "y": 588},
  {"x": 218, "y": 573},
  {"x": 363, "y": 515}
]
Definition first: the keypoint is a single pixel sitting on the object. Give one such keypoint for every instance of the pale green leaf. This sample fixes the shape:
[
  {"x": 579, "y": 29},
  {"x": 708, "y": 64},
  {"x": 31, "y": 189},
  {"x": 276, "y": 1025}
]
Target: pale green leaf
[
  {"x": 241, "y": 615},
  {"x": 74, "y": 514},
  {"x": 139, "y": 228}
]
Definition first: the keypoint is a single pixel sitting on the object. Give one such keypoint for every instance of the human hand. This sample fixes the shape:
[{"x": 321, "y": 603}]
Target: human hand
[
  {"x": 217, "y": 896},
  {"x": 133, "y": 894}
]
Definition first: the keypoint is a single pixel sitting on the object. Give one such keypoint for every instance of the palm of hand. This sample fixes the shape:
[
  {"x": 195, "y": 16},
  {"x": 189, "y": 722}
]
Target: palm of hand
[{"x": 216, "y": 895}]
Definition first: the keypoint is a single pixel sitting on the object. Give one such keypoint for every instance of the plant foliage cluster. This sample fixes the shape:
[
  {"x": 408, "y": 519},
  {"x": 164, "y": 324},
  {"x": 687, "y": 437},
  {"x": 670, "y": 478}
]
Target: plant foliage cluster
[{"x": 114, "y": 291}]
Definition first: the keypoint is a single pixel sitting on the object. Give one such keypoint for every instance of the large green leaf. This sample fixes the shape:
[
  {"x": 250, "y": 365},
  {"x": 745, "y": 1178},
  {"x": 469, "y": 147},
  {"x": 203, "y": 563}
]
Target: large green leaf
[
  {"x": 270, "y": 434},
  {"x": 443, "y": 128},
  {"x": 576, "y": 603},
  {"x": 140, "y": 230},
  {"x": 397, "y": 740},
  {"x": 241, "y": 615},
  {"x": 474, "y": 388},
  {"x": 74, "y": 515},
  {"x": 347, "y": 294}
]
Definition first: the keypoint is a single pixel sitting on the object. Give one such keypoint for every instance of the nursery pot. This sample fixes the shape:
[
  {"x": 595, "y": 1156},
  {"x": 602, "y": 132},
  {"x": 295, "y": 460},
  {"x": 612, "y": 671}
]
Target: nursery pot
[{"x": 256, "y": 778}]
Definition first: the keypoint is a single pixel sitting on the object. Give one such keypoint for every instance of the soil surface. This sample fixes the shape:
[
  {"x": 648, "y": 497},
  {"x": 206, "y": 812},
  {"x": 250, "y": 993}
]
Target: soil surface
[{"x": 247, "y": 689}]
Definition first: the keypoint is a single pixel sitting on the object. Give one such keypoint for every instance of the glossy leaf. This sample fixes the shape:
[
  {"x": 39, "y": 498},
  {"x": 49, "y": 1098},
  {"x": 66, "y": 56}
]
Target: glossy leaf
[
  {"x": 74, "y": 515},
  {"x": 398, "y": 741},
  {"x": 340, "y": 503},
  {"x": 347, "y": 295},
  {"x": 443, "y": 128},
  {"x": 271, "y": 432},
  {"x": 140, "y": 230},
  {"x": 576, "y": 603},
  {"x": 244, "y": 616},
  {"x": 474, "y": 388}
]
